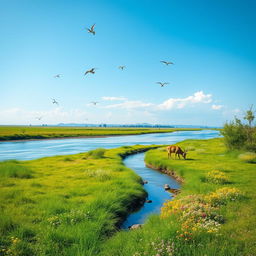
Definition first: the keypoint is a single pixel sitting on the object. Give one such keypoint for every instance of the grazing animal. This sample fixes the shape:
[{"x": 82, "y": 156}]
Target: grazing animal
[
  {"x": 162, "y": 84},
  {"x": 91, "y": 29},
  {"x": 177, "y": 150},
  {"x": 92, "y": 71},
  {"x": 166, "y": 62}
]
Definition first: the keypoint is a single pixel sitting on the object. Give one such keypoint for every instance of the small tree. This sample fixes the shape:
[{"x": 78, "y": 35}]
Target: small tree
[
  {"x": 234, "y": 134},
  {"x": 249, "y": 116},
  {"x": 241, "y": 136}
]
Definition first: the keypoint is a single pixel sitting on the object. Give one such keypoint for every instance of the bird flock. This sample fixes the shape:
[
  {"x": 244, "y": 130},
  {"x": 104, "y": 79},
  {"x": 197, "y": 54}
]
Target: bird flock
[{"x": 91, "y": 71}]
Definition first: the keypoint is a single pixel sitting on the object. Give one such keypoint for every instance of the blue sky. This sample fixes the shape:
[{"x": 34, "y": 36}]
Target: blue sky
[{"x": 212, "y": 45}]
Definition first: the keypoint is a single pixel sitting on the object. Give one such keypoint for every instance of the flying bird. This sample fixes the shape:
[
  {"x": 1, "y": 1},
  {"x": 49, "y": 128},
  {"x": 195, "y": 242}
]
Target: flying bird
[
  {"x": 57, "y": 76},
  {"x": 39, "y": 118},
  {"x": 121, "y": 67},
  {"x": 54, "y": 102},
  {"x": 91, "y": 29},
  {"x": 166, "y": 62},
  {"x": 94, "y": 102},
  {"x": 162, "y": 84},
  {"x": 92, "y": 71}
]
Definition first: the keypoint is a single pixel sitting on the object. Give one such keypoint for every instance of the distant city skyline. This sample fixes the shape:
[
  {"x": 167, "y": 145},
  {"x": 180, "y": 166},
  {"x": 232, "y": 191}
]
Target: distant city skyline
[{"x": 53, "y": 70}]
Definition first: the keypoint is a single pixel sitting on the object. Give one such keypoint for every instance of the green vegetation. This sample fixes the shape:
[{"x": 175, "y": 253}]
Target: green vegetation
[
  {"x": 29, "y": 132},
  {"x": 240, "y": 136},
  {"x": 72, "y": 205},
  {"x": 66, "y": 205},
  {"x": 13, "y": 169},
  {"x": 209, "y": 217}
]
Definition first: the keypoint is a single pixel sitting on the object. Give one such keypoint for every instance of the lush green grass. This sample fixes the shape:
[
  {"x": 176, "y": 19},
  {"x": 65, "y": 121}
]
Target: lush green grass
[
  {"x": 235, "y": 237},
  {"x": 65, "y": 205},
  {"x": 72, "y": 205},
  {"x": 27, "y": 132}
]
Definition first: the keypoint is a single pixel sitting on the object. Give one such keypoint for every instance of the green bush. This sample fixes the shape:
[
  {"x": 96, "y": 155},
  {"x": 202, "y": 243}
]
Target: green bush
[{"x": 239, "y": 136}]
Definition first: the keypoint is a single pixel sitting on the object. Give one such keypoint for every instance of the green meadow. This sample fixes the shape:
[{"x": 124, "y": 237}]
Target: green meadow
[
  {"x": 39, "y": 132},
  {"x": 213, "y": 215},
  {"x": 66, "y": 205},
  {"x": 73, "y": 205}
]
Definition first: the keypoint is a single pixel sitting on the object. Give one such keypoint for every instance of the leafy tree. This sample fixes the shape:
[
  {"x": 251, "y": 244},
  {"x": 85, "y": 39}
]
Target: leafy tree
[
  {"x": 240, "y": 136},
  {"x": 234, "y": 134},
  {"x": 250, "y": 116}
]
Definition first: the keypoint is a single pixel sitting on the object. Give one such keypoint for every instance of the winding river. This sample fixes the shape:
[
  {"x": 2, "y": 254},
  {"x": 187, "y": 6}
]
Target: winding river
[{"x": 154, "y": 187}]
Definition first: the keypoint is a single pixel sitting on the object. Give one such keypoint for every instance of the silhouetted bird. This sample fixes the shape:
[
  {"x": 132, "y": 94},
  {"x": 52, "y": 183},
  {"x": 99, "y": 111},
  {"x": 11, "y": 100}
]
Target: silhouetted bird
[
  {"x": 91, "y": 29},
  {"x": 54, "y": 102},
  {"x": 92, "y": 71},
  {"x": 166, "y": 62},
  {"x": 57, "y": 76},
  {"x": 94, "y": 102},
  {"x": 121, "y": 67},
  {"x": 39, "y": 118},
  {"x": 162, "y": 84}
]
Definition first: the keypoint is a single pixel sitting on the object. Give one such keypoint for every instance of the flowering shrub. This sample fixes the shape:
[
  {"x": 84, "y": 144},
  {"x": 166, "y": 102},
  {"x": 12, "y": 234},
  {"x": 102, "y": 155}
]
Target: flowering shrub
[
  {"x": 216, "y": 177},
  {"x": 195, "y": 213},
  {"x": 223, "y": 196},
  {"x": 158, "y": 248},
  {"x": 199, "y": 213}
]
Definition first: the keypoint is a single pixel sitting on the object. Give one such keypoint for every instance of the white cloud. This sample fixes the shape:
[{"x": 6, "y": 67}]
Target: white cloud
[
  {"x": 53, "y": 116},
  {"x": 217, "y": 107},
  {"x": 125, "y": 111},
  {"x": 130, "y": 105},
  {"x": 113, "y": 98},
  {"x": 197, "y": 97}
]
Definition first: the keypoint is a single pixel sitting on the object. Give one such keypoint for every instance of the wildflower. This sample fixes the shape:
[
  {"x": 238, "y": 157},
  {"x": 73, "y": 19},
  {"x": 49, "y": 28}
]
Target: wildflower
[{"x": 217, "y": 177}]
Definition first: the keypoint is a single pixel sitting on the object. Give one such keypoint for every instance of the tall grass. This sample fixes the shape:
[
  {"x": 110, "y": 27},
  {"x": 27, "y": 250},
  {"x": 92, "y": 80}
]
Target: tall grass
[
  {"x": 74, "y": 204},
  {"x": 69, "y": 206},
  {"x": 14, "y": 170}
]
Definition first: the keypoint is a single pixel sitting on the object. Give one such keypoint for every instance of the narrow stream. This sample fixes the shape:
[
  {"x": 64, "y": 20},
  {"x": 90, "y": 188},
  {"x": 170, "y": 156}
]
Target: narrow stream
[{"x": 155, "y": 189}]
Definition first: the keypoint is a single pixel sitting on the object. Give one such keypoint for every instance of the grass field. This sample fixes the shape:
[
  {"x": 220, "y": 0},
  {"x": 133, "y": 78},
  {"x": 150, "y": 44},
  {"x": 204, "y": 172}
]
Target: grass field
[
  {"x": 199, "y": 221},
  {"x": 31, "y": 132},
  {"x": 65, "y": 205},
  {"x": 72, "y": 205}
]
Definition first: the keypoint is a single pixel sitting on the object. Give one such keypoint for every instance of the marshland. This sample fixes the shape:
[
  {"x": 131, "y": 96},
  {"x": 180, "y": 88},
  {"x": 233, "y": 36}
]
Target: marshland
[
  {"x": 76, "y": 204},
  {"x": 127, "y": 128}
]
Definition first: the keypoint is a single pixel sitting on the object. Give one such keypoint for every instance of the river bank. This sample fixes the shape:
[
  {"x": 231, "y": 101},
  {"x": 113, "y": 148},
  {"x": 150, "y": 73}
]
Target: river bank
[
  {"x": 212, "y": 215},
  {"x": 14, "y": 133}
]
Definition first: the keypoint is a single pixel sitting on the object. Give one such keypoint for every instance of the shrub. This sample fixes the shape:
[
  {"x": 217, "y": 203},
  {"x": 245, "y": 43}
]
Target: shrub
[
  {"x": 195, "y": 213},
  {"x": 199, "y": 213},
  {"x": 234, "y": 134},
  {"x": 240, "y": 136},
  {"x": 216, "y": 177},
  {"x": 223, "y": 196}
]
